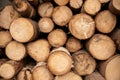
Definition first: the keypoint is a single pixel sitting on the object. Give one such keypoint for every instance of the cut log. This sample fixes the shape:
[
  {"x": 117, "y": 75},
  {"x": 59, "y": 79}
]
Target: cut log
[
  {"x": 76, "y": 4},
  {"x": 110, "y": 69},
  {"x": 91, "y": 7},
  {"x": 3, "y": 60},
  {"x": 46, "y": 25},
  {"x": 24, "y": 8},
  {"x": 73, "y": 44},
  {"x": 82, "y": 26},
  {"x": 45, "y": 9},
  {"x": 5, "y": 38},
  {"x": 59, "y": 62},
  {"x": 105, "y": 21},
  {"x": 41, "y": 72},
  {"x": 84, "y": 64},
  {"x": 57, "y": 38},
  {"x": 24, "y": 30},
  {"x": 39, "y": 50},
  {"x": 69, "y": 76},
  {"x": 15, "y": 51},
  {"x": 7, "y": 15},
  {"x": 61, "y": 2},
  {"x": 114, "y": 6},
  {"x": 94, "y": 76},
  {"x": 62, "y": 15},
  {"x": 101, "y": 47},
  {"x": 25, "y": 74},
  {"x": 116, "y": 37},
  {"x": 10, "y": 69}
]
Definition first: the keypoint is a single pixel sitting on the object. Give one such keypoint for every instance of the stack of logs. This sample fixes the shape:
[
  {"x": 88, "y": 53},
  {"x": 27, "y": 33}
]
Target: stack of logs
[{"x": 60, "y": 40}]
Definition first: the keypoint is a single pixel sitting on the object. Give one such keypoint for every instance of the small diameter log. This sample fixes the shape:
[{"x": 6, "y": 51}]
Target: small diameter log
[
  {"x": 94, "y": 76},
  {"x": 23, "y": 30},
  {"x": 61, "y": 2},
  {"x": 69, "y": 76},
  {"x": 76, "y": 4},
  {"x": 110, "y": 69},
  {"x": 91, "y": 7},
  {"x": 62, "y": 15},
  {"x": 105, "y": 21},
  {"x": 59, "y": 61},
  {"x": 10, "y": 69},
  {"x": 46, "y": 25},
  {"x": 39, "y": 50},
  {"x": 7, "y": 15},
  {"x": 104, "y": 1},
  {"x": 114, "y": 6},
  {"x": 41, "y": 72},
  {"x": 24, "y": 8},
  {"x": 25, "y": 74},
  {"x": 45, "y": 9},
  {"x": 116, "y": 37},
  {"x": 73, "y": 44},
  {"x": 5, "y": 38},
  {"x": 101, "y": 47},
  {"x": 15, "y": 51},
  {"x": 84, "y": 64},
  {"x": 57, "y": 38},
  {"x": 82, "y": 26}
]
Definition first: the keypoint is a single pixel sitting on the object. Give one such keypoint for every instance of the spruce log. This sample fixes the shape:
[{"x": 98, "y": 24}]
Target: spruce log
[
  {"x": 101, "y": 46},
  {"x": 105, "y": 21},
  {"x": 5, "y": 38},
  {"x": 9, "y": 69},
  {"x": 82, "y": 26},
  {"x": 15, "y": 51},
  {"x": 24, "y": 30}
]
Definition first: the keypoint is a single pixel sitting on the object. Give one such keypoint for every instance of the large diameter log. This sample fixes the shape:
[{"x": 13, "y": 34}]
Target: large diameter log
[
  {"x": 82, "y": 26},
  {"x": 5, "y": 38},
  {"x": 46, "y": 25},
  {"x": 101, "y": 47},
  {"x": 10, "y": 69},
  {"x": 45, "y": 9},
  {"x": 62, "y": 15},
  {"x": 110, "y": 69},
  {"x": 105, "y": 21},
  {"x": 57, "y": 38},
  {"x": 114, "y": 6},
  {"x": 15, "y": 51},
  {"x": 59, "y": 62},
  {"x": 84, "y": 64},
  {"x": 115, "y": 35},
  {"x": 94, "y": 76},
  {"x": 7, "y": 15},
  {"x": 91, "y": 7},
  {"x": 73, "y": 44},
  {"x": 69, "y": 76},
  {"x": 24, "y": 30},
  {"x": 41, "y": 72},
  {"x": 39, "y": 50}
]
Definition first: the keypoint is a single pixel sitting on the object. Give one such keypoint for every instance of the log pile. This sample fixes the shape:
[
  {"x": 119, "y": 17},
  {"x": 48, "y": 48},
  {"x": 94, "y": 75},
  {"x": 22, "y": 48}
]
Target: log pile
[{"x": 60, "y": 40}]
